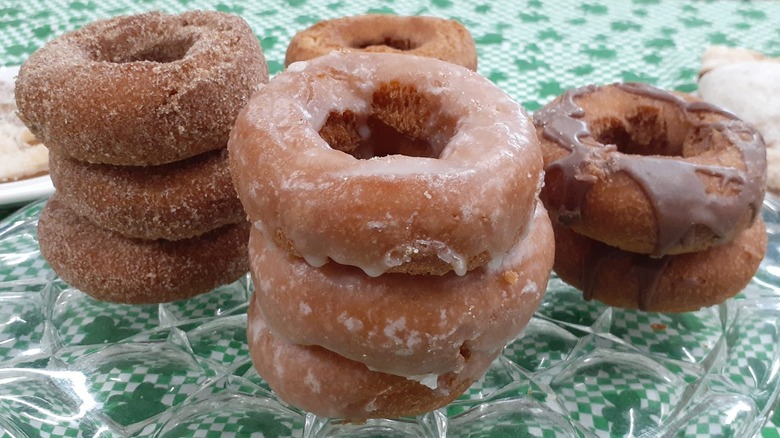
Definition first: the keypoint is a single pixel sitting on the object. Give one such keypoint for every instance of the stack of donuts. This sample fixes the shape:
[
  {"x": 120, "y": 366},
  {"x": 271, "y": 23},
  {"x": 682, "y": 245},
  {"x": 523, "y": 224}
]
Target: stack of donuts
[
  {"x": 398, "y": 241},
  {"x": 655, "y": 196},
  {"x": 136, "y": 112}
]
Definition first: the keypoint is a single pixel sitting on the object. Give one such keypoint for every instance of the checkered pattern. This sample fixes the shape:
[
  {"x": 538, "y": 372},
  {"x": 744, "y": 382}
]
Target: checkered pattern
[
  {"x": 137, "y": 382},
  {"x": 542, "y": 344},
  {"x": 753, "y": 340},
  {"x": 223, "y": 342},
  {"x": 609, "y": 392},
  {"x": 568, "y": 307},
  {"x": 181, "y": 369},
  {"x": 25, "y": 396},
  {"x": 510, "y": 418},
  {"x": 236, "y": 423},
  {"x": 80, "y": 319},
  {"x": 687, "y": 337},
  {"x": 21, "y": 325},
  {"x": 223, "y": 300}
]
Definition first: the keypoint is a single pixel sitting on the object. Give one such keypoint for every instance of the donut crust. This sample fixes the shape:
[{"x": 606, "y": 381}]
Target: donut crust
[
  {"x": 673, "y": 283},
  {"x": 141, "y": 90},
  {"x": 110, "y": 267},
  {"x": 326, "y": 384},
  {"x": 172, "y": 201},
  {"x": 430, "y": 37}
]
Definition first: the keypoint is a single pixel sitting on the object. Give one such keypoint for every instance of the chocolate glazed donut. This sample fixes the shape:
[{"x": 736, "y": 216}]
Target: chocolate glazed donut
[
  {"x": 655, "y": 196},
  {"x": 701, "y": 186}
]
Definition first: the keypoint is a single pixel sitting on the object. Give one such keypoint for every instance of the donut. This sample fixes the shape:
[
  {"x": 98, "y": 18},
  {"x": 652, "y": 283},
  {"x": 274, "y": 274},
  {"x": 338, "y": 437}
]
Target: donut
[
  {"x": 649, "y": 171},
  {"x": 171, "y": 201},
  {"x": 672, "y": 283},
  {"x": 110, "y": 267},
  {"x": 402, "y": 324},
  {"x": 326, "y": 384},
  {"x": 380, "y": 161},
  {"x": 144, "y": 89},
  {"x": 430, "y": 37}
]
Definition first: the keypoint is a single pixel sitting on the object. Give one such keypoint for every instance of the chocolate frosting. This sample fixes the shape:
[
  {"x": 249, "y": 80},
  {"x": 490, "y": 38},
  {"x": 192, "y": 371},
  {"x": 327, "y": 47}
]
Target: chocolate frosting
[
  {"x": 679, "y": 197},
  {"x": 646, "y": 271}
]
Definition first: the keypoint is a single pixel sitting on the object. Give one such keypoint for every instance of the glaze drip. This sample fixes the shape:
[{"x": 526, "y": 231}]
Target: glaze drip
[
  {"x": 680, "y": 198},
  {"x": 646, "y": 271}
]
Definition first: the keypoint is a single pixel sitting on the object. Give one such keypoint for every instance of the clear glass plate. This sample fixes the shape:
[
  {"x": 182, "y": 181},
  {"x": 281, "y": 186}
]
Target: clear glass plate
[{"x": 73, "y": 366}]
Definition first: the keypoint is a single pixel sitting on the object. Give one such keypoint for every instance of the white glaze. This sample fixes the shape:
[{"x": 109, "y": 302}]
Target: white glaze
[{"x": 317, "y": 195}]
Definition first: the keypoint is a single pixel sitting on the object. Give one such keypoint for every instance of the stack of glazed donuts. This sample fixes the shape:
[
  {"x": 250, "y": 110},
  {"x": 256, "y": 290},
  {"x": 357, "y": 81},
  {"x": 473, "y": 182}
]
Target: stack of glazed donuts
[
  {"x": 398, "y": 241},
  {"x": 655, "y": 197},
  {"x": 136, "y": 112}
]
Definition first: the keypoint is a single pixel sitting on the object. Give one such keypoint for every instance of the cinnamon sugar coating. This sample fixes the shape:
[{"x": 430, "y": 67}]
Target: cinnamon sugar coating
[
  {"x": 145, "y": 89},
  {"x": 171, "y": 201},
  {"x": 111, "y": 267}
]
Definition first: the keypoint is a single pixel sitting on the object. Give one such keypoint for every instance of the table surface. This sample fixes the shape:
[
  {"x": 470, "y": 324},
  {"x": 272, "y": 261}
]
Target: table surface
[{"x": 533, "y": 50}]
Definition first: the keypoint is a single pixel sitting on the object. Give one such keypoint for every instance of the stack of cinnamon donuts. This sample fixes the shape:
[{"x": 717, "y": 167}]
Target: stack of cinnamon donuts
[
  {"x": 398, "y": 241},
  {"x": 655, "y": 196},
  {"x": 136, "y": 113}
]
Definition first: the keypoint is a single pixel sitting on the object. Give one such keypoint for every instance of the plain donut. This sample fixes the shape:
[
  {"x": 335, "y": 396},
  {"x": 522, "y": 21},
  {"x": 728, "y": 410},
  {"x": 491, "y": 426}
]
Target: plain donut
[
  {"x": 649, "y": 171},
  {"x": 310, "y": 174},
  {"x": 144, "y": 89},
  {"x": 431, "y": 37}
]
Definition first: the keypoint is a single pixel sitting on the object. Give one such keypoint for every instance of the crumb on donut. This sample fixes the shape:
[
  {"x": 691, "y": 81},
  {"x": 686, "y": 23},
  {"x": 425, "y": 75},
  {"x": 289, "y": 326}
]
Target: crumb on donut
[{"x": 511, "y": 277}]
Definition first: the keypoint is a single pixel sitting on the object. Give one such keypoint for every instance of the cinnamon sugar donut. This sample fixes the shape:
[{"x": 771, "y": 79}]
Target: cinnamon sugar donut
[
  {"x": 171, "y": 201},
  {"x": 110, "y": 267},
  {"x": 381, "y": 161},
  {"x": 649, "y": 171},
  {"x": 431, "y": 37},
  {"x": 328, "y": 385},
  {"x": 401, "y": 324},
  {"x": 144, "y": 89},
  {"x": 673, "y": 283}
]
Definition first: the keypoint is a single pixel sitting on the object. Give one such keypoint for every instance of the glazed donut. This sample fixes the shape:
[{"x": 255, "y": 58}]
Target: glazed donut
[
  {"x": 144, "y": 89},
  {"x": 328, "y": 385},
  {"x": 401, "y": 324},
  {"x": 649, "y": 171},
  {"x": 673, "y": 283},
  {"x": 172, "y": 201},
  {"x": 138, "y": 271},
  {"x": 431, "y": 37},
  {"x": 380, "y": 161}
]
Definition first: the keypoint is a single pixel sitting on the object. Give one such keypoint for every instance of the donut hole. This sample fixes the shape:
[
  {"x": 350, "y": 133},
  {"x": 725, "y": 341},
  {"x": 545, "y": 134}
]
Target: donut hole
[
  {"x": 402, "y": 44},
  {"x": 161, "y": 49},
  {"x": 643, "y": 131},
  {"x": 402, "y": 121}
]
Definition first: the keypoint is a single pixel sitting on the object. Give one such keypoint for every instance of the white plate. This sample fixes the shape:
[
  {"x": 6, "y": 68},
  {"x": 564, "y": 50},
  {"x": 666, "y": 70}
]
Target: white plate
[{"x": 26, "y": 190}]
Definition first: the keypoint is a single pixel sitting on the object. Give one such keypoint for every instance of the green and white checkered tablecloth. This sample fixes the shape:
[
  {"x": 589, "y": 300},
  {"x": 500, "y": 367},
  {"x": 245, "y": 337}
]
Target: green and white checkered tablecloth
[{"x": 74, "y": 367}]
